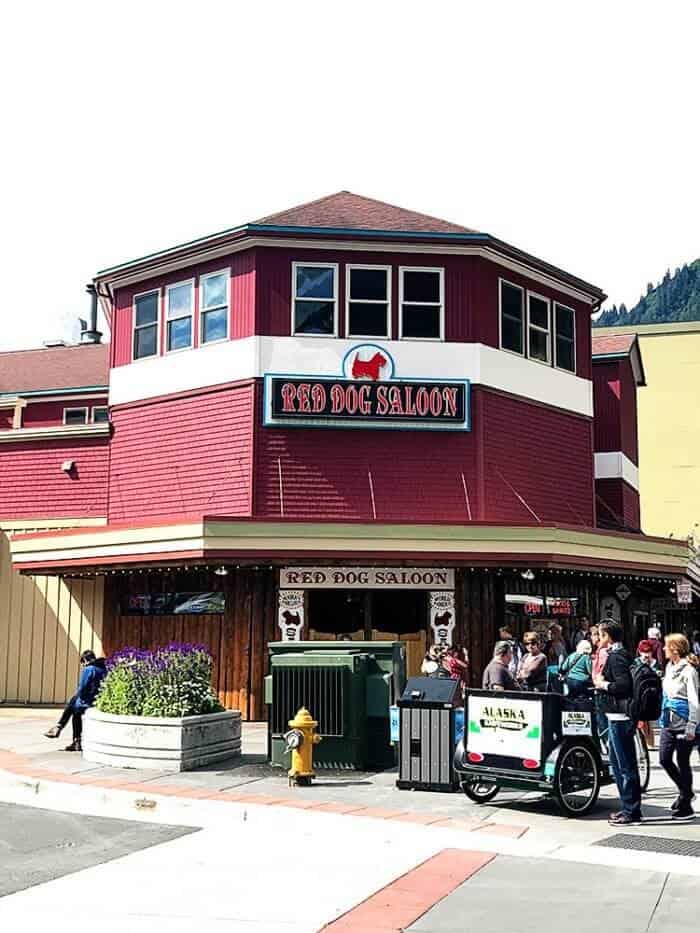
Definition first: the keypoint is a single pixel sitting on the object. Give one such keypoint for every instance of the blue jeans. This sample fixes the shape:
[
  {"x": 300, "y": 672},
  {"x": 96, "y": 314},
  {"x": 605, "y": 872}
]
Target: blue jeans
[{"x": 623, "y": 761}]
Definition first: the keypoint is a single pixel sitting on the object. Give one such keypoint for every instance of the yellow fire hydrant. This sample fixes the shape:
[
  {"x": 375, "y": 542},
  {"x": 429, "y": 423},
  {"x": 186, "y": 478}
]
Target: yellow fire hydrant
[{"x": 300, "y": 742}]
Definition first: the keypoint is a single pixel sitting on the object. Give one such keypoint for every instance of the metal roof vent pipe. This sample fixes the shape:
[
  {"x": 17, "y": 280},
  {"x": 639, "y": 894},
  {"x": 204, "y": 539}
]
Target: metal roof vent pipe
[{"x": 89, "y": 332}]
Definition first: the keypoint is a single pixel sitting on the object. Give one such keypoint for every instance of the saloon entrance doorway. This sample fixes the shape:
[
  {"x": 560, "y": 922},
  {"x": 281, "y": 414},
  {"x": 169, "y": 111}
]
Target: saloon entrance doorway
[{"x": 372, "y": 615}]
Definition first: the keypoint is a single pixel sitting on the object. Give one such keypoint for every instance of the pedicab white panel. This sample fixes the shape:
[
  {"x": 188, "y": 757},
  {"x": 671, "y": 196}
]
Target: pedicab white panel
[{"x": 504, "y": 726}]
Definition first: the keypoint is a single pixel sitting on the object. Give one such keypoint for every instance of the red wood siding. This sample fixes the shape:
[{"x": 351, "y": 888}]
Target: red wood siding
[
  {"x": 242, "y": 302},
  {"x": 32, "y": 483},
  {"x": 619, "y": 507},
  {"x": 615, "y": 408},
  {"x": 546, "y": 456},
  {"x": 326, "y": 474},
  {"x": 183, "y": 456},
  {"x": 48, "y": 414}
]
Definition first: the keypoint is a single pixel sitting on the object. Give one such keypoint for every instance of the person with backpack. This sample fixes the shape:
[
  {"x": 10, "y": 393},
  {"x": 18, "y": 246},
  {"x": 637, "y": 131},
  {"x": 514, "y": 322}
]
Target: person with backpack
[
  {"x": 646, "y": 655},
  {"x": 680, "y": 716},
  {"x": 615, "y": 688},
  {"x": 577, "y": 670}
]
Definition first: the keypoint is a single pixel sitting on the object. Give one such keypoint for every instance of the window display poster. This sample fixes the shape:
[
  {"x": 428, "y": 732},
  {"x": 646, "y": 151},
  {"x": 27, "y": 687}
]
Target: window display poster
[
  {"x": 505, "y": 726},
  {"x": 442, "y": 617},
  {"x": 290, "y": 614}
]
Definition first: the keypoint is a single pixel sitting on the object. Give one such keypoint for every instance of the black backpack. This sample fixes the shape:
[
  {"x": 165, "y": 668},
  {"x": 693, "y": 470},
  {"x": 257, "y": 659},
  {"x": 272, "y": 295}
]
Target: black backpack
[{"x": 647, "y": 692}]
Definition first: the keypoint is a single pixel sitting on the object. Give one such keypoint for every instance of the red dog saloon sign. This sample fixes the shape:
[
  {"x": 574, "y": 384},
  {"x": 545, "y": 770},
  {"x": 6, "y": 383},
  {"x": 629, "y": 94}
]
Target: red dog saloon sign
[{"x": 366, "y": 395}]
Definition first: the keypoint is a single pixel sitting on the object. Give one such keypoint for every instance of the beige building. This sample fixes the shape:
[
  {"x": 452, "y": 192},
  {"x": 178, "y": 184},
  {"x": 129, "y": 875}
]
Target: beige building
[{"x": 669, "y": 428}]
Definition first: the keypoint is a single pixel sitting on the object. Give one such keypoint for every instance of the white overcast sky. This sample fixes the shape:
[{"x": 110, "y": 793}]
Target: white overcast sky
[{"x": 570, "y": 130}]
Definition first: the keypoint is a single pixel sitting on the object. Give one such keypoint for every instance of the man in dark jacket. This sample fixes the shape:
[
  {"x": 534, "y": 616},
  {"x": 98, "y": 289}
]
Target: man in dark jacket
[
  {"x": 615, "y": 691},
  {"x": 91, "y": 676}
]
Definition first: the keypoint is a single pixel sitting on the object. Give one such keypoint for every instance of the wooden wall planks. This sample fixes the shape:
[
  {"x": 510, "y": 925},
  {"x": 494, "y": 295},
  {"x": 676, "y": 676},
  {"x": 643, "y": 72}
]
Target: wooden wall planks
[{"x": 45, "y": 623}]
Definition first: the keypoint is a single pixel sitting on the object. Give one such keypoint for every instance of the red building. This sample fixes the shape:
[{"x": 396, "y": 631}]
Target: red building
[{"x": 370, "y": 422}]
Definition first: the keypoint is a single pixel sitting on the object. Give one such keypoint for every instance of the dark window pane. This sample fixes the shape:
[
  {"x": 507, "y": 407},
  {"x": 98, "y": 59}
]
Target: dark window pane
[
  {"x": 75, "y": 416},
  {"x": 565, "y": 322},
  {"x": 214, "y": 325},
  {"x": 145, "y": 341},
  {"x": 147, "y": 309},
  {"x": 313, "y": 317},
  {"x": 511, "y": 301},
  {"x": 369, "y": 284},
  {"x": 538, "y": 345},
  {"x": 100, "y": 415},
  {"x": 421, "y": 321},
  {"x": 539, "y": 313},
  {"x": 368, "y": 320},
  {"x": 511, "y": 334},
  {"x": 179, "y": 333},
  {"x": 565, "y": 354},
  {"x": 314, "y": 283},
  {"x": 421, "y": 286}
]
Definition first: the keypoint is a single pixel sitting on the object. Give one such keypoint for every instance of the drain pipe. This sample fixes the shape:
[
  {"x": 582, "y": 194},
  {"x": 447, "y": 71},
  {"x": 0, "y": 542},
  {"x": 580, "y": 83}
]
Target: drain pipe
[{"x": 91, "y": 334}]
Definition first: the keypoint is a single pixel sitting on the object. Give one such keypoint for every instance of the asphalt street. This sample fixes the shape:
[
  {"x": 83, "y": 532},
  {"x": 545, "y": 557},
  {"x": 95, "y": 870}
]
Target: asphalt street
[{"x": 40, "y": 845}]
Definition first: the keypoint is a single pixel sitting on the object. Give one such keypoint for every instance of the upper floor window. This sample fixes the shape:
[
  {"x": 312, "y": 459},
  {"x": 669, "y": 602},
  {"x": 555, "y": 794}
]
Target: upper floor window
[
  {"x": 213, "y": 306},
  {"x": 511, "y": 305},
  {"x": 179, "y": 308},
  {"x": 315, "y": 299},
  {"x": 565, "y": 338},
  {"x": 75, "y": 415},
  {"x": 368, "y": 297},
  {"x": 100, "y": 414},
  {"x": 538, "y": 343},
  {"x": 421, "y": 296},
  {"x": 146, "y": 324}
]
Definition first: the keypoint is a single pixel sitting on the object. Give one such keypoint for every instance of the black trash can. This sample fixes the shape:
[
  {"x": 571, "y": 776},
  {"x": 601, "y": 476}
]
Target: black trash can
[{"x": 426, "y": 734}]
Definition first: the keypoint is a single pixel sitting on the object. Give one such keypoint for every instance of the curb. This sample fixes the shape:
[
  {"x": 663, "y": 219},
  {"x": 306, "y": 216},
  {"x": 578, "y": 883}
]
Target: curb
[{"x": 26, "y": 784}]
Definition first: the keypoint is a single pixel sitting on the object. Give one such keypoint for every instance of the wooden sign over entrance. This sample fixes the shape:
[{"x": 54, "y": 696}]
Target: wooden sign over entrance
[{"x": 361, "y": 578}]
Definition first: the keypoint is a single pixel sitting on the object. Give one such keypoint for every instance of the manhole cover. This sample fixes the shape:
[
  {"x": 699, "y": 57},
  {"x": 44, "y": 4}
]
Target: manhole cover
[{"x": 652, "y": 844}]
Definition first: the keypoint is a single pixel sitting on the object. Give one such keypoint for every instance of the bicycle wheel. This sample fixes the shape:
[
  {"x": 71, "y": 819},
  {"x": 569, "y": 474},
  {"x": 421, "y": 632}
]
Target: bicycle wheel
[
  {"x": 479, "y": 791},
  {"x": 640, "y": 747},
  {"x": 577, "y": 780}
]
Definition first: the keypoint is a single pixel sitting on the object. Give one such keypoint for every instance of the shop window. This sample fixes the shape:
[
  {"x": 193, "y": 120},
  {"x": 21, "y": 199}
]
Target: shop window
[
  {"x": 511, "y": 312},
  {"x": 565, "y": 338},
  {"x": 213, "y": 306},
  {"x": 75, "y": 415},
  {"x": 538, "y": 328},
  {"x": 421, "y": 297},
  {"x": 315, "y": 299},
  {"x": 368, "y": 291},
  {"x": 146, "y": 325},
  {"x": 179, "y": 307},
  {"x": 165, "y": 604},
  {"x": 100, "y": 414}
]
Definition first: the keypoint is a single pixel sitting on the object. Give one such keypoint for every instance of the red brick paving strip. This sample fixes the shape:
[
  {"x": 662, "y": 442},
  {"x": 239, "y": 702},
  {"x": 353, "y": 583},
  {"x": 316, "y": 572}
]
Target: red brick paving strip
[{"x": 405, "y": 900}]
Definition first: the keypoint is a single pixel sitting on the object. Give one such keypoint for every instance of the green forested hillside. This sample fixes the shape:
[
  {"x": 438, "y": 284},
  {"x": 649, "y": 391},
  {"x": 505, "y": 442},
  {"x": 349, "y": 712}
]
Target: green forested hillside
[{"x": 675, "y": 298}]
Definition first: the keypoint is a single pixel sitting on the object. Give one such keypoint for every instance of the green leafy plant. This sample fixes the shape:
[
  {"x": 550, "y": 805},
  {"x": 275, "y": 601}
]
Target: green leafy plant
[{"x": 171, "y": 681}]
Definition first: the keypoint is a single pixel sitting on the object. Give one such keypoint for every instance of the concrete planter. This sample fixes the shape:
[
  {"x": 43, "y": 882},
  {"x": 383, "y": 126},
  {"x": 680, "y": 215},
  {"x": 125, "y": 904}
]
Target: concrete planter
[{"x": 160, "y": 744}]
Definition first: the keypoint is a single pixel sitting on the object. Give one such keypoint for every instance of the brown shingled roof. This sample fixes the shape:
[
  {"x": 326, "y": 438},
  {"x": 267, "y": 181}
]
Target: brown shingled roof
[
  {"x": 346, "y": 210},
  {"x": 73, "y": 367},
  {"x": 604, "y": 344}
]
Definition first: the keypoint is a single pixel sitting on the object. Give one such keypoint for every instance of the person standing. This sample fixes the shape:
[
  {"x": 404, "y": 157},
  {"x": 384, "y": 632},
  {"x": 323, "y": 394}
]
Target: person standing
[
  {"x": 657, "y": 645},
  {"x": 583, "y": 631},
  {"x": 556, "y": 648},
  {"x": 517, "y": 650},
  {"x": 456, "y": 662},
  {"x": 598, "y": 661},
  {"x": 680, "y": 715},
  {"x": 615, "y": 689},
  {"x": 496, "y": 673},
  {"x": 645, "y": 655},
  {"x": 92, "y": 674},
  {"x": 532, "y": 670},
  {"x": 577, "y": 670}
]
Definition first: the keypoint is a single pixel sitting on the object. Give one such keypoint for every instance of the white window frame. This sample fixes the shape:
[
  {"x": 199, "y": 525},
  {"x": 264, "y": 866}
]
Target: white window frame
[
  {"x": 202, "y": 309},
  {"x": 167, "y": 320},
  {"x": 441, "y": 271},
  {"x": 523, "y": 321},
  {"x": 82, "y": 408},
  {"x": 548, "y": 331},
  {"x": 367, "y": 301},
  {"x": 159, "y": 310},
  {"x": 555, "y": 305},
  {"x": 99, "y": 408},
  {"x": 316, "y": 265}
]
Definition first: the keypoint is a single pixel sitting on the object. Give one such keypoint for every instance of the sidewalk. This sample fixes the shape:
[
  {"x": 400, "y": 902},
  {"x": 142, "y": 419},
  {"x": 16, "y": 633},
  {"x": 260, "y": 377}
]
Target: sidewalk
[{"x": 38, "y": 765}]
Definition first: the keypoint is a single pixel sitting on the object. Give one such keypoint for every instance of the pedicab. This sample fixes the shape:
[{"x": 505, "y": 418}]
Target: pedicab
[{"x": 530, "y": 741}]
